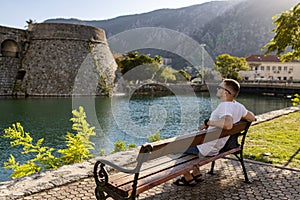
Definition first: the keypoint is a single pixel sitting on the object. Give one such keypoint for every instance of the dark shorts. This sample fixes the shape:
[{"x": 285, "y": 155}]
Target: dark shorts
[{"x": 193, "y": 150}]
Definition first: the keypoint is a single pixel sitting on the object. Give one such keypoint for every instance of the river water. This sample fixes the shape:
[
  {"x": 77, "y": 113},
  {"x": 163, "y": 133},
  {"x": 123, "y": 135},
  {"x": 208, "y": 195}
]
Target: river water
[{"x": 130, "y": 119}]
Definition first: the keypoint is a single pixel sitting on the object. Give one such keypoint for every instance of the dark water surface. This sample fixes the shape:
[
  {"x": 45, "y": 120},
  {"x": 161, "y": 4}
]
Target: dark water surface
[{"x": 132, "y": 120}]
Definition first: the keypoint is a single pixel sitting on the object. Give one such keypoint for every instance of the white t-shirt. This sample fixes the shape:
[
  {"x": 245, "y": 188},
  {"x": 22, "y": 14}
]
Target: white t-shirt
[{"x": 233, "y": 109}]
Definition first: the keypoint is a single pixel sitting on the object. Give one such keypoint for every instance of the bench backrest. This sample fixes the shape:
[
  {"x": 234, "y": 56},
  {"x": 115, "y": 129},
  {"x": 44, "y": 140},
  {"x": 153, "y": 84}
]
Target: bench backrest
[{"x": 181, "y": 143}]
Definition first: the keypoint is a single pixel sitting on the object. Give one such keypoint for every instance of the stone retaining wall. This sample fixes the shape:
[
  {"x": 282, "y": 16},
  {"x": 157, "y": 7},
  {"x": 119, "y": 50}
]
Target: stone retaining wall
[{"x": 67, "y": 174}]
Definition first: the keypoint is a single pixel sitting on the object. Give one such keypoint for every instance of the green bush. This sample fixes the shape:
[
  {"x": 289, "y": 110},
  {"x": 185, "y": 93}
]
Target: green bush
[
  {"x": 121, "y": 146},
  {"x": 78, "y": 147},
  {"x": 155, "y": 137},
  {"x": 296, "y": 100},
  {"x": 79, "y": 144},
  {"x": 43, "y": 154}
]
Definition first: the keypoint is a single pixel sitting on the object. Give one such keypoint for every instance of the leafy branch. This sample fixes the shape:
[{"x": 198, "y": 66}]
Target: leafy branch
[
  {"x": 296, "y": 100},
  {"x": 78, "y": 147}
]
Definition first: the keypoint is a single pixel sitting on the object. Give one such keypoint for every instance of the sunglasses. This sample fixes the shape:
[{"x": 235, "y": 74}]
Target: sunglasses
[{"x": 220, "y": 87}]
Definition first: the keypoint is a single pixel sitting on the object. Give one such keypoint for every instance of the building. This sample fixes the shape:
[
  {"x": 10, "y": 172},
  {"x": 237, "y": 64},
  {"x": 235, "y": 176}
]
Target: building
[{"x": 271, "y": 68}]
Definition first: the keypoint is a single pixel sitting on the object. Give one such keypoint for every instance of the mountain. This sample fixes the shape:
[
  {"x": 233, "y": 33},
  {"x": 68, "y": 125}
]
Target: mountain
[{"x": 236, "y": 27}]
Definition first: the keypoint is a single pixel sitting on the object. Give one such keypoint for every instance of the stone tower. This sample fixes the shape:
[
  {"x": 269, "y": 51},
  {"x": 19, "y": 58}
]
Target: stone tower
[{"x": 64, "y": 60}]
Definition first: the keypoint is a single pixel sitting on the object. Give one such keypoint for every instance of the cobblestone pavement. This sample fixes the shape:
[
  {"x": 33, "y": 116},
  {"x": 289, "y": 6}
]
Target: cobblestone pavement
[{"x": 268, "y": 182}]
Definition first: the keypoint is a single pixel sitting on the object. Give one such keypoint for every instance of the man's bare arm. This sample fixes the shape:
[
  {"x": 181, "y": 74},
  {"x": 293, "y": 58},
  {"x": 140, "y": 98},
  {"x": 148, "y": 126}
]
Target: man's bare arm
[
  {"x": 250, "y": 117},
  {"x": 225, "y": 122}
]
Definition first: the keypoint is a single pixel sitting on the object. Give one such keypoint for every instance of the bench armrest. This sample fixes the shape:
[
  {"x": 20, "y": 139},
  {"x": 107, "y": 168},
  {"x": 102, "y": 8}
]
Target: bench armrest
[
  {"x": 101, "y": 175},
  {"x": 114, "y": 166}
]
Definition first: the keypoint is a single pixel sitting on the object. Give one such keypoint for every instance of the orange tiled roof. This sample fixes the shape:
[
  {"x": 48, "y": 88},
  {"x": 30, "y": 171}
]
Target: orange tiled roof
[
  {"x": 262, "y": 58},
  {"x": 267, "y": 58}
]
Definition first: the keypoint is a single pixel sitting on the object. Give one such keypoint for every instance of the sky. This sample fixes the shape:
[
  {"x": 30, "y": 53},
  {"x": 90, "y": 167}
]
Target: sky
[{"x": 15, "y": 13}]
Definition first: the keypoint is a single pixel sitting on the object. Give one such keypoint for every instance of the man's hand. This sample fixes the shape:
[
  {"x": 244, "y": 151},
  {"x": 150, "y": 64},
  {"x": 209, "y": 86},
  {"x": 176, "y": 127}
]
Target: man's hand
[
  {"x": 225, "y": 122},
  {"x": 203, "y": 126}
]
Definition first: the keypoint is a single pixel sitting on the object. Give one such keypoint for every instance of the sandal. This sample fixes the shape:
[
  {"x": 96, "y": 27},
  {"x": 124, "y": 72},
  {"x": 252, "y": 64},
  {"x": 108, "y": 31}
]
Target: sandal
[
  {"x": 183, "y": 182},
  {"x": 198, "y": 178}
]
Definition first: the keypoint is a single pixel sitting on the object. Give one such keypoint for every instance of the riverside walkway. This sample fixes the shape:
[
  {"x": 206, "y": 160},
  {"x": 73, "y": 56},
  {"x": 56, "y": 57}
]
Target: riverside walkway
[
  {"x": 269, "y": 182},
  {"x": 75, "y": 182}
]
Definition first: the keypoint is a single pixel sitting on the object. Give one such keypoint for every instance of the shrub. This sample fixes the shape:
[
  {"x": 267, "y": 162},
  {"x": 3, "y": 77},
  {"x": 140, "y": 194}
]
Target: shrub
[
  {"x": 79, "y": 144},
  {"x": 155, "y": 137},
  {"x": 43, "y": 154},
  {"x": 77, "y": 151},
  {"x": 121, "y": 146},
  {"x": 296, "y": 100}
]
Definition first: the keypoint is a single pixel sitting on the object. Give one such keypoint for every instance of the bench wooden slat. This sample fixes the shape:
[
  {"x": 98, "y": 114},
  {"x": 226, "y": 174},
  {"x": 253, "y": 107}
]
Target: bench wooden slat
[
  {"x": 166, "y": 174},
  {"x": 124, "y": 186},
  {"x": 149, "y": 168},
  {"x": 171, "y": 173},
  {"x": 147, "y": 165},
  {"x": 119, "y": 179},
  {"x": 181, "y": 143}
]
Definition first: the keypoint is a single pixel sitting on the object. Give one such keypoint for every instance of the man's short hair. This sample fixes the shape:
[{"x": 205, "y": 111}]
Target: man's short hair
[{"x": 233, "y": 85}]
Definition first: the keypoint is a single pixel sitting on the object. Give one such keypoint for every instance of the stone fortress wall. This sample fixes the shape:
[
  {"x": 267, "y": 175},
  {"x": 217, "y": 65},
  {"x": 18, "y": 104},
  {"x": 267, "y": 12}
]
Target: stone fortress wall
[
  {"x": 11, "y": 43},
  {"x": 51, "y": 59}
]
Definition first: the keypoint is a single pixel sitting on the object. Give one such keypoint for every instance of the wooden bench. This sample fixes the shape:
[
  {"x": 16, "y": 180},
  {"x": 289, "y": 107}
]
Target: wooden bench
[{"x": 160, "y": 161}]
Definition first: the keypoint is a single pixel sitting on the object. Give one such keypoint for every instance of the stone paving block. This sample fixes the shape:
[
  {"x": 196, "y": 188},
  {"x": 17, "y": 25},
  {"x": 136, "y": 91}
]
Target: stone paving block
[{"x": 269, "y": 182}]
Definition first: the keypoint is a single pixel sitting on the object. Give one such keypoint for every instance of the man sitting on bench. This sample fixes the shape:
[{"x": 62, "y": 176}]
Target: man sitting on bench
[{"x": 227, "y": 113}]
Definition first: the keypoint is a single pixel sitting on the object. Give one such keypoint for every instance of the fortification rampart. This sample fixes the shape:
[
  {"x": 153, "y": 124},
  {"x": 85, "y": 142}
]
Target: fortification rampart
[
  {"x": 17, "y": 35},
  {"x": 55, "y": 60},
  {"x": 11, "y": 48},
  {"x": 8, "y": 73},
  {"x": 54, "y": 31}
]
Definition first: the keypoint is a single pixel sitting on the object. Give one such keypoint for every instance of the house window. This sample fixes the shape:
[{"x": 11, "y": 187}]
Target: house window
[
  {"x": 285, "y": 68},
  {"x": 262, "y": 68},
  {"x": 279, "y": 68},
  {"x": 268, "y": 68},
  {"x": 274, "y": 68}
]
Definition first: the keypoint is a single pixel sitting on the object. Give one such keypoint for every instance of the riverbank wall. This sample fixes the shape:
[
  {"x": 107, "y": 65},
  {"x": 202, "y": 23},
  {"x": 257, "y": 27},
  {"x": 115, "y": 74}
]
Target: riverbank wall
[
  {"x": 167, "y": 88},
  {"x": 25, "y": 186}
]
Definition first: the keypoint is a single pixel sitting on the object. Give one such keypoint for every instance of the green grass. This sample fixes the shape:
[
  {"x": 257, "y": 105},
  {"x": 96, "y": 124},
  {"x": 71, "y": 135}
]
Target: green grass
[{"x": 280, "y": 137}]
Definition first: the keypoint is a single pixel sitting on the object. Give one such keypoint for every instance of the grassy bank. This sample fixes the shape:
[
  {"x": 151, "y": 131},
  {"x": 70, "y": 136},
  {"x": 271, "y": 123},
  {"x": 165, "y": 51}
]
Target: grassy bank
[{"x": 276, "y": 141}]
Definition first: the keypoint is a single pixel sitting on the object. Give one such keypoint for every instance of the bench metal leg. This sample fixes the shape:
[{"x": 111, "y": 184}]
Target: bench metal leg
[
  {"x": 212, "y": 168},
  {"x": 99, "y": 194},
  {"x": 241, "y": 159}
]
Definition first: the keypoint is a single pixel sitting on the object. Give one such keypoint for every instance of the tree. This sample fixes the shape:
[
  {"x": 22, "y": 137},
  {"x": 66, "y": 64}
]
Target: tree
[
  {"x": 229, "y": 66},
  {"x": 287, "y": 34},
  {"x": 30, "y": 23},
  {"x": 182, "y": 75},
  {"x": 168, "y": 74},
  {"x": 205, "y": 74},
  {"x": 134, "y": 59}
]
